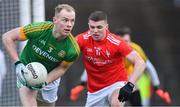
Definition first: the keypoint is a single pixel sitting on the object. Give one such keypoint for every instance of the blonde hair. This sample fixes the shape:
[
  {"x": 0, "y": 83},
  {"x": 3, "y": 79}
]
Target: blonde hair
[{"x": 63, "y": 6}]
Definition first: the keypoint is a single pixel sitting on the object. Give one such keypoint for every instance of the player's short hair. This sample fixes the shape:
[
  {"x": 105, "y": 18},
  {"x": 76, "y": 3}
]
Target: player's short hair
[
  {"x": 60, "y": 7},
  {"x": 98, "y": 16},
  {"x": 122, "y": 31}
]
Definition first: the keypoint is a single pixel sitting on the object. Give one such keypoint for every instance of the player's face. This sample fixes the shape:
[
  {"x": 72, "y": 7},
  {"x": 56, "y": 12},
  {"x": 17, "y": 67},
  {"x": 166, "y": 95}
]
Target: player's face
[
  {"x": 63, "y": 23},
  {"x": 98, "y": 29},
  {"x": 127, "y": 38}
]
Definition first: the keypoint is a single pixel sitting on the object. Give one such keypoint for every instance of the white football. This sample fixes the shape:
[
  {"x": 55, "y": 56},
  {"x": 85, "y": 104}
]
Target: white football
[{"x": 36, "y": 73}]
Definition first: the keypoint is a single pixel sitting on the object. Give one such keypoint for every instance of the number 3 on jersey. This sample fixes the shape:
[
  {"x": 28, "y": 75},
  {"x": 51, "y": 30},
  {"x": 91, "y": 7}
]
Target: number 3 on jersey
[{"x": 50, "y": 49}]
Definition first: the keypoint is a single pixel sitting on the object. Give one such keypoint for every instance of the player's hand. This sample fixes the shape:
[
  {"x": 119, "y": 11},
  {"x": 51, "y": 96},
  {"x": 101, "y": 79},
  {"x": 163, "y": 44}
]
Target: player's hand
[
  {"x": 75, "y": 92},
  {"x": 125, "y": 92},
  {"x": 20, "y": 70},
  {"x": 164, "y": 95},
  {"x": 38, "y": 87}
]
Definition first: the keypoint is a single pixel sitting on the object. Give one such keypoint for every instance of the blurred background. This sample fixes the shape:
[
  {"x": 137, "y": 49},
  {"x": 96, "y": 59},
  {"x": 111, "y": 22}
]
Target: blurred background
[{"x": 155, "y": 26}]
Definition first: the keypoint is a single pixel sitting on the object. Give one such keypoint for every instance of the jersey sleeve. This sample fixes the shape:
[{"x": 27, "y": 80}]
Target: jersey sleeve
[
  {"x": 34, "y": 30},
  {"x": 124, "y": 48}
]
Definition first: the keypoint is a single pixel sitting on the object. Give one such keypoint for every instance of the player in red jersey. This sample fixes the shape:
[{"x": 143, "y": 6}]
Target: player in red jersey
[{"x": 103, "y": 55}]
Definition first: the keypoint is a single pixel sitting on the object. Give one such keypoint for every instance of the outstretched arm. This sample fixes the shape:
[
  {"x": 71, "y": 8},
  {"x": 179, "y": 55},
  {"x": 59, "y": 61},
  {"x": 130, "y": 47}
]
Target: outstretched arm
[
  {"x": 153, "y": 73},
  {"x": 156, "y": 83}
]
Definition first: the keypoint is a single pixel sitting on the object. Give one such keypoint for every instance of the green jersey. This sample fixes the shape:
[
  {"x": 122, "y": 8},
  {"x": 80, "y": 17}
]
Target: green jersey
[{"x": 44, "y": 48}]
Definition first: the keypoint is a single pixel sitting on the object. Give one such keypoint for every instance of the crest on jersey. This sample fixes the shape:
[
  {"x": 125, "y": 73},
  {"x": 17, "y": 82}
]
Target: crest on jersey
[
  {"x": 98, "y": 50},
  {"x": 62, "y": 53}
]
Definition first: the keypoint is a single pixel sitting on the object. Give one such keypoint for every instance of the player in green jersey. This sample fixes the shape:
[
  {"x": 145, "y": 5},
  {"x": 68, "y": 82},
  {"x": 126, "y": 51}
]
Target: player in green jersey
[{"x": 50, "y": 43}]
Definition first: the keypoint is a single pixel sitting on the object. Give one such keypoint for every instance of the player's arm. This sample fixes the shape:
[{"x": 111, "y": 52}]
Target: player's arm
[
  {"x": 139, "y": 66},
  {"x": 153, "y": 73},
  {"x": 58, "y": 71},
  {"x": 9, "y": 41},
  {"x": 156, "y": 83}
]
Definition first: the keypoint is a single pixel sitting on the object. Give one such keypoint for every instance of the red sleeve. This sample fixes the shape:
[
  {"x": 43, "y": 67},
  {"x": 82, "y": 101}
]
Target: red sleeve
[
  {"x": 79, "y": 39},
  {"x": 124, "y": 48}
]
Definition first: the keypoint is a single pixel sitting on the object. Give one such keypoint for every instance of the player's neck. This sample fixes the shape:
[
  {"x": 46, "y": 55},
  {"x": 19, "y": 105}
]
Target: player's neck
[{"x": 57, "y": 35}]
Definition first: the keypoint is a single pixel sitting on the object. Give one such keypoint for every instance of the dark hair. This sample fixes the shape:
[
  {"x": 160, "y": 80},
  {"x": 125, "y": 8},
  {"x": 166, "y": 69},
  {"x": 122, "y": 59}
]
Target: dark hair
[
  {"x": 98, "y": 16},
  {"x": 123, "y": 30}
]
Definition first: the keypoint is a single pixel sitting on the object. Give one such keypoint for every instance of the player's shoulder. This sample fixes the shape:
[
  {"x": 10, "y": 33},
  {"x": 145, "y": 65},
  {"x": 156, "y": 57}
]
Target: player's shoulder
[
  {"x": 84, "y": 35},
  {"x": 135, "y": 45},
  {"x": 74, "y": 42},
  {"x": 40, "y": 25},
  {"x": 37, "y": 28},
  {"x": 114, "y": 39},
  {"x": 45, "y": 24}
]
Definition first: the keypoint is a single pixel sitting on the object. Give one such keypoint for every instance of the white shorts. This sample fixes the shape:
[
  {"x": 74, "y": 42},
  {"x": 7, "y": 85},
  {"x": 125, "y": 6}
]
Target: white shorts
[
  {"x": 48, "y": 94},
  {"x": 102, "y": 97}
]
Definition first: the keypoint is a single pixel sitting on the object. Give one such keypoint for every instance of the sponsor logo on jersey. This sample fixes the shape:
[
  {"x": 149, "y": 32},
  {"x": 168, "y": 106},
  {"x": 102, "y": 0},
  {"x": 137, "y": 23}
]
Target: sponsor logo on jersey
[
  {"x": 43, "y": 53},
  {"x": 98, "y": 61}
]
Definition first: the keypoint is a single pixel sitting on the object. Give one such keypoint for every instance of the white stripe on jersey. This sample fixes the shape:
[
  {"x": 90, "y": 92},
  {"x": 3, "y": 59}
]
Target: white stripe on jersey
[{"x": 113, "y": 40}]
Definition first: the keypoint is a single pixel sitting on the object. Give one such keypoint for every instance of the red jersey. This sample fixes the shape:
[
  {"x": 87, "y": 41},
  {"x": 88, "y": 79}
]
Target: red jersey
[{"x": 104, "y": 60}]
